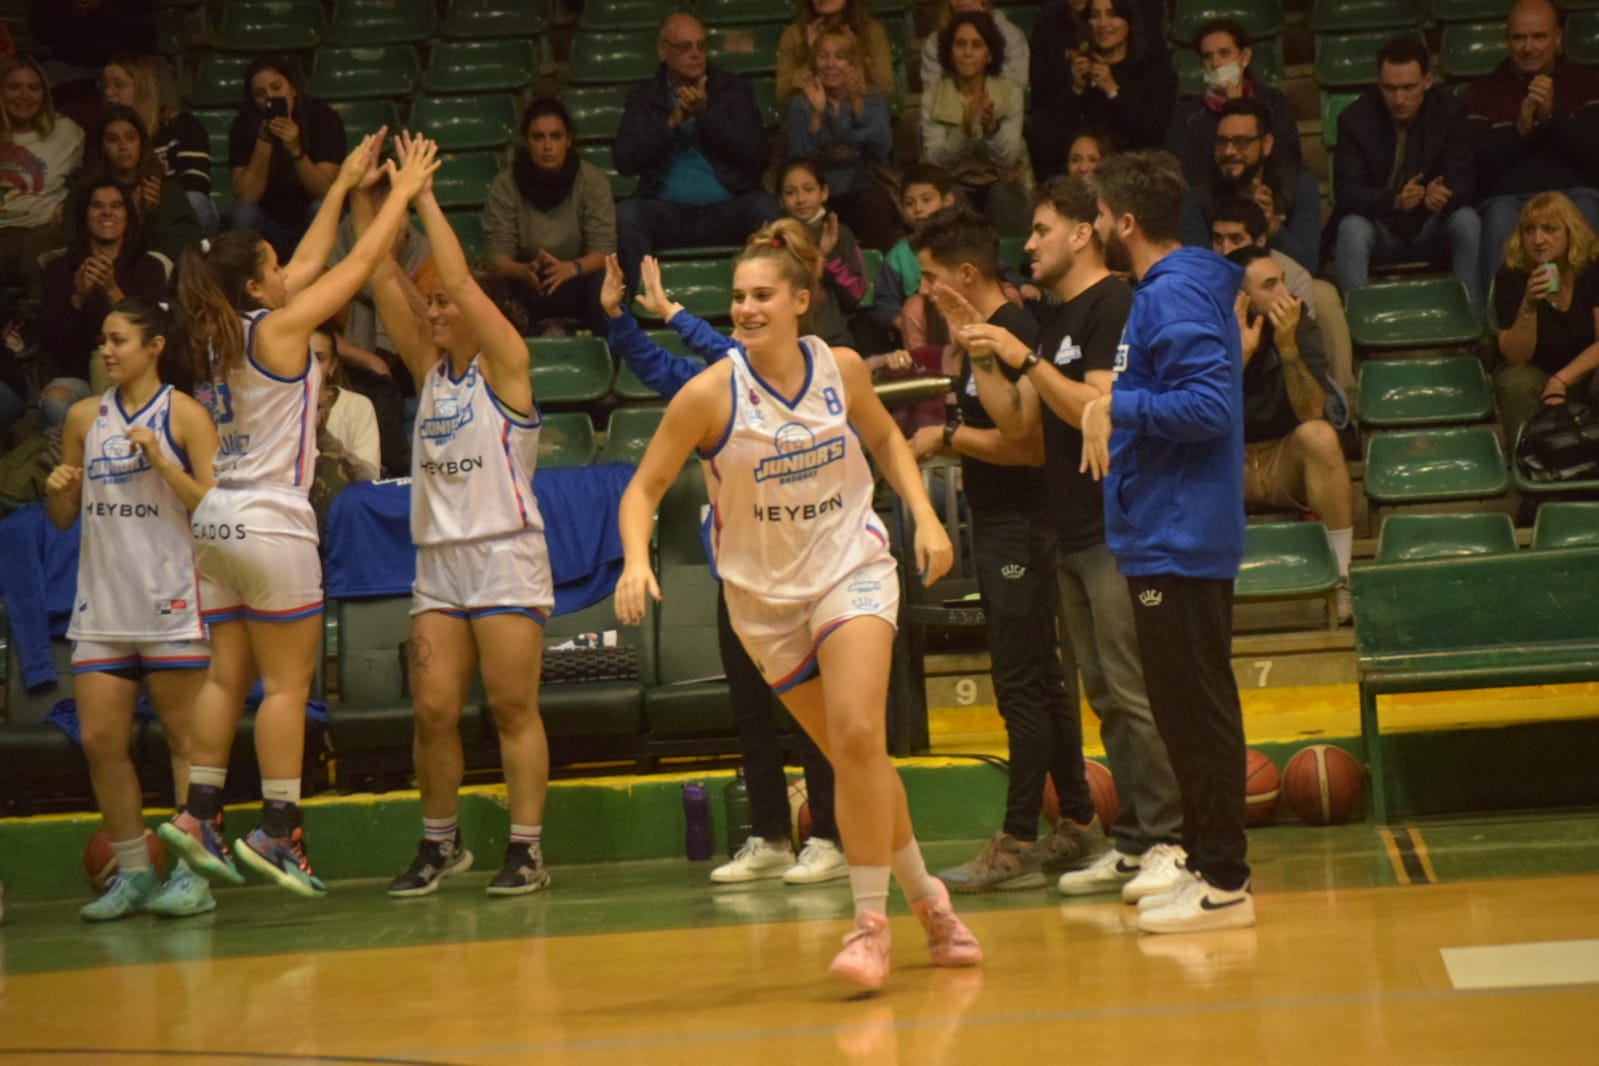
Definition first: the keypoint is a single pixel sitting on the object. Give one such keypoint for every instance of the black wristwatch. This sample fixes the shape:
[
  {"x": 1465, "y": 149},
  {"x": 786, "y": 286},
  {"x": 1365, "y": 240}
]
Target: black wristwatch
[
  {"x": 949, "y": 431},
  {"x": 1030, "y": 362}
]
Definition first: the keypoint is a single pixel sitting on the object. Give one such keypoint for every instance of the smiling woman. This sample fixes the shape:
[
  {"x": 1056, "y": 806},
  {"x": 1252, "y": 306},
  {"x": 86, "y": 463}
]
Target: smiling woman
[
  {"x": 42, "y": 150},
  {"x": 120, "y": 150}
]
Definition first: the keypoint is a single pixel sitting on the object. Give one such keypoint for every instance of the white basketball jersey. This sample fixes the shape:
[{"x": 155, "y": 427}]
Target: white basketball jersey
[
  {"x": 136, "y": 575},
  {"x": 472, "y": 463},
  {"x": 790, "y": 488},
  {"x": 267, "y": 424}
]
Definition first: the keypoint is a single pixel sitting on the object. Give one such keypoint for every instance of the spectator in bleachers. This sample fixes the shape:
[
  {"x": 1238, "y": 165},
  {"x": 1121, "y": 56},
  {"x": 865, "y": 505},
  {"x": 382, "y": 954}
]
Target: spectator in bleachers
[
  {"x": 1108, "y": 71},
  {"x": 180, "y": 142},
  {"x": 119, "y": 150},
  {"x": 549, "y": 222},
  {"x": 925, "y": 191},
  {"x": 796, "y": 49},
  {"x": 1226, "y": 51},
  {"x": 39, "y": 151},
  {"x": 804, "y": 195},
  {"x": 1236, "y": 222},
  {"x": 347, "y": 423},
  {"x": 1246, "y": 164},
  {"x": 83, "y": 35},
  {"x": 284, "y": 150},
  {"x": 694, "y": 136},
  {"x": 1088, "y": 148},
  {"x": 1546, "y": 299},
  {"x": 1292, "y": 456},
  {"x": 1017, "y": 55},
  {"x": 843, "y": 124},
  {"x": 972, "y": 123},
  {"x": 1535, "y": 128},
  {"x": 82, "y": 285},
  {"x": 1403, "y": 181}
]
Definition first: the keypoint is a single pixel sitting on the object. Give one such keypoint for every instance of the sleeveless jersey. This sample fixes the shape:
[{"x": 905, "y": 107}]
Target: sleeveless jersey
[
  {"x": 136, "y": 575},
  {"x": 267, "y": 423},
  {"x": 473, "y": 461},
  {"x": 790, "y": 489}
]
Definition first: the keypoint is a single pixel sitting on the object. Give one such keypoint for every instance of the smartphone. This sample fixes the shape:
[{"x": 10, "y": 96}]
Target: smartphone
[{"x": 277, "y": 107}]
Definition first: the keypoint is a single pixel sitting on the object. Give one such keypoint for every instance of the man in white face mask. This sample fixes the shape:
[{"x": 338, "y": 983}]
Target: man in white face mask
[{"x": 1225, "y": 52}]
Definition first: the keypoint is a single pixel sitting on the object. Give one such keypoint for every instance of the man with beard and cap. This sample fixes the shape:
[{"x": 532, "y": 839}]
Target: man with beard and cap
[{"x": 1168, "y": 441}]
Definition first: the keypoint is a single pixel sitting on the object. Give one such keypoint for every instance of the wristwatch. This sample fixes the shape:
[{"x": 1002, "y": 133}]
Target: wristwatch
[
  {"x": 1030, "y": 362},
  {"x": 949, "y": 431}
]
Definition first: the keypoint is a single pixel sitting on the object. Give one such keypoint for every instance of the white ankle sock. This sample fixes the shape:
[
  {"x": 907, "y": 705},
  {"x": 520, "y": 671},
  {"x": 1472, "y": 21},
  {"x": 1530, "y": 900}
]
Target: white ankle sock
[
  {"x": 214, "y": 776},
  {"x": 133, "y": 856},
  {"x": 441, "y": 829},
  {"x": 1343, "y": 542},
  {"x": 869, "y": 884},
  {"x": 280, "y": 789},
  {"x": 910, "y": 872}
]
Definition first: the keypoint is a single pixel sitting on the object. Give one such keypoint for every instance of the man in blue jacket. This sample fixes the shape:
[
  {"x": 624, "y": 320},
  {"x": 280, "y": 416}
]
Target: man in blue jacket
[
  {"x": 1169, "y": 442},
  {"x": 694, "y": 137}
]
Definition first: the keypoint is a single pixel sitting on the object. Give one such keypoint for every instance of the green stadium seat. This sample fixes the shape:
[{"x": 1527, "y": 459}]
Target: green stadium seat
[
  {"x": 219, "y": 80},
  {"x": 366, "y": 116},
  {"x": 766, "y": 100},
  {"x": 589, "y": 720},
  {"x": 1430, "y": 465},
  {"x": 569, "y": 370},
  {"x": 1332, "y": 105},
  {"x": 1267, "y": 67},
  {"x": 257, "y": 26},
  {"x": 703, "y": 286},
  {"x": 566, "y": 438},
  {"x": 746, "y": 48},
  {"x": 1471, "y": 10},
  {"x": 627, "y": 14},
  {"x": 461, "y": 123},
  {"x": 373, "y": 22},
  {"x": 1472, "y": 49},
  {"x": 600, "y": 156},
  {"x": 222, "y": 187},
  {"x": 1353, "y": 16},
  {"x": 174, "y": 29},
  {"x": 468, "y": 227},
  {"x": 1415, "y": 313},
  {"x": 1023, "y": 16},
  {"x": 474, "y": 19},
  {"x": 463, "y": 180},
  {"x": 1410, "y": 537},
  {"x": 628, "y": 433},
  {"x": 746, "y": 12},
  {"x": 692, "y": 698},
  {"x": 722, "y": 252},
  {"x": 1262, "y": 18},
  {"x": 601, "y": 57},
  {"x": 1347, "y": 60},
  {"x": 669, "y": 339},
  {"x": 1423, "y": 392},
  {"x": 1582, "y": 37},
  {"x": 1566, "y": 524},
  {"x": 627, "y": 386},
  {"x": 596, "y": 111},
  {"x": 217, "y": 123},
  {"x": 481, "y": 66},
  {"x": 365, "y": 72},
  {"x": 1288, "y": 561}
]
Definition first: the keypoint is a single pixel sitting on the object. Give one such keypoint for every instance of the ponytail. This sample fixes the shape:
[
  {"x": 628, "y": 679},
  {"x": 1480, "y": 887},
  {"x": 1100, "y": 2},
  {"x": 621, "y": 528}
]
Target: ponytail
[
  {"x": 211, "y": 290},
  {"x": 789, "y": 243}
]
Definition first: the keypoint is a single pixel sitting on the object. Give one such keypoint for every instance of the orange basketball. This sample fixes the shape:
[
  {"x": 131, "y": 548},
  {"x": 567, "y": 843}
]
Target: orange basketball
[
  {"x": 1323, "y": 785},
  {"x": 1101, "y": 789},
  {"x": 1262, "y": 787},
  {"x": 100, "y": 862}
]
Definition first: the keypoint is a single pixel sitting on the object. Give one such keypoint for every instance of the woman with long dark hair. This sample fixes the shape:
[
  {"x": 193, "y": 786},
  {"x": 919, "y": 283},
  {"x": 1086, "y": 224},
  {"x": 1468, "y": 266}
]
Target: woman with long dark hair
[{"x": 120, "y": 150}]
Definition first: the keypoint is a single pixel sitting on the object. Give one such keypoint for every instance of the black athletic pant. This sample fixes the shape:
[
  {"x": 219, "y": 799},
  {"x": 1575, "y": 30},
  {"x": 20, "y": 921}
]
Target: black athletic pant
[
  {"x": 755, "y": 711},
  {"x": 1185, "y": 629},
  {"x": 1015, "y": 557}
]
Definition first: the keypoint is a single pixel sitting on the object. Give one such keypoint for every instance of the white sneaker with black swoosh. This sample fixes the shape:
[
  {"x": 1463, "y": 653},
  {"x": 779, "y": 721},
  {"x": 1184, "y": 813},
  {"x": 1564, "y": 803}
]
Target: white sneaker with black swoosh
[{"x": 1200, "y": 907}]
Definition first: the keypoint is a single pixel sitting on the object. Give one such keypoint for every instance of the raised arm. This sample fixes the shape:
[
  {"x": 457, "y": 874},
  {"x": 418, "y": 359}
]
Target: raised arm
[{"x": 310, "y": 256}]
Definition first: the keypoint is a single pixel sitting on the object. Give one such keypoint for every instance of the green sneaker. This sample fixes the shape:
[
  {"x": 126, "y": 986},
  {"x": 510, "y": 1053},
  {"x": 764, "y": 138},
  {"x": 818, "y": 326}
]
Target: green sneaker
[
  {"x": 1072, "y": 846},
  {"x": 1005, "y": 864},
  {"x": 184, "y": 895},
  {"x": 127, "y": 894}
]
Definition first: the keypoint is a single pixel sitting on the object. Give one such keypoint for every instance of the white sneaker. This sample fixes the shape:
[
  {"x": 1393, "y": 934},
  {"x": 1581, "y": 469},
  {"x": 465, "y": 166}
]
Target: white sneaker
[
  {"x": 1201, "y": 907},
  {"x": 1161, "y": 871},
  {"x": 757, "y": 860},
  {"x": 819, "y": 860},
  {"x": 1168, "y": 897},
  {"x": 1108, "y": 873}
]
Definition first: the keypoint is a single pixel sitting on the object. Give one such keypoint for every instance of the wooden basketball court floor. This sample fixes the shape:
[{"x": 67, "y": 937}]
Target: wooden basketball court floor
[{"x": 1452, "y": 942}]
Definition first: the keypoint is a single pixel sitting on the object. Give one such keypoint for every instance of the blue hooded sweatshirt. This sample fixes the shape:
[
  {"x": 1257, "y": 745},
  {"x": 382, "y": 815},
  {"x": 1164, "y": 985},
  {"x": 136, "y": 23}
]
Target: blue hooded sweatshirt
[{"x": 1174, "y": 494}]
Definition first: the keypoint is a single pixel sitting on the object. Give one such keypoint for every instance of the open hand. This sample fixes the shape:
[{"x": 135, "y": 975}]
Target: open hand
[
  {"x": 634, "y": 589},
  {"x": 653, "y": 299},
  {"x": 613, "y": 290}
]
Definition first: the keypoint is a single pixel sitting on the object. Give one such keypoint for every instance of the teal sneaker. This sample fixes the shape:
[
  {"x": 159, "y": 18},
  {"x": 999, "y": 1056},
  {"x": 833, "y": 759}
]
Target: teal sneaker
[
  {"x": 184, "y": 895},
  {"x": 125, "y": 895},
  {"x": 198, "y": 844},
  {"x": 283, "y": 860}
]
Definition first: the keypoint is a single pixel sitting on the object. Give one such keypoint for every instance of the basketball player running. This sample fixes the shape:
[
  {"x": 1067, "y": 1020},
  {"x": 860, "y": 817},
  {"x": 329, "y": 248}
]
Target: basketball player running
[
  {"x": 811, "y": 588},
  {"x": 134, "y": 463},
  {"x": 255, "y": 534},
  {"x": 483, "y": 588}
]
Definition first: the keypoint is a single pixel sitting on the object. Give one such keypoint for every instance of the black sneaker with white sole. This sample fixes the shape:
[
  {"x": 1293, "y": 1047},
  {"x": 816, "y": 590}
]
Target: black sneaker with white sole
[
  {"x": 522, "y": 873},
  {"x": 435, "y": 860}
]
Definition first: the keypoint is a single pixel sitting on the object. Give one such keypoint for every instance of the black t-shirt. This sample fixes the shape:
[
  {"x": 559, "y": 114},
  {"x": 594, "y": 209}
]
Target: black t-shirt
[
  {"x": 1562, "y": 335},
  {"x": 991, "y": 488},
  {"x": 1268, "y": 413},
  {"x": 321, "y": 136},
  {"x": 1081, "y": 335}
]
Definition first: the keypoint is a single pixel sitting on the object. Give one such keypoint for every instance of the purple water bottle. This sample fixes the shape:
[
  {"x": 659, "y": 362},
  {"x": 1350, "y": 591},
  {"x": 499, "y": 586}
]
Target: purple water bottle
[{"x": 697, "y": 816}]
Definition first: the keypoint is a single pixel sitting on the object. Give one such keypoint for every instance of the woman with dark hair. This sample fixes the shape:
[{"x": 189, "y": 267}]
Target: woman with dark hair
[
  {"x": 107, "y": 265},
  {"x": 284, "y": 150},
  {"x": 1088, "y": 148},
  {"x": 39, "y": 150},
  {"x": 796, "y": 48},
  {"x": 1016, "y": 47},
  {"x": 180, "y": 142},
  {"x": 972, "y": 123},
  {"x": 549, "y": 221},
  {"x": 120, "y": 150}
]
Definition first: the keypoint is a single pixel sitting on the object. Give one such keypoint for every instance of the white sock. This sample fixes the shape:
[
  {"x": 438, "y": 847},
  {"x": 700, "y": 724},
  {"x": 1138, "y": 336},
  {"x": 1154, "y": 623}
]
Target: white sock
[
  {"x": 214, "y": 776},
  {"x": 911, "y": 872},
  {"x": 869, "y": 885},
  {"x": 531, "y": 835},
  {"x": 1343, "y": 542},
  {"x": 441, "y": 829},
  {"x": 133, "y": 856},
  {"x": 280, "y": 789}
]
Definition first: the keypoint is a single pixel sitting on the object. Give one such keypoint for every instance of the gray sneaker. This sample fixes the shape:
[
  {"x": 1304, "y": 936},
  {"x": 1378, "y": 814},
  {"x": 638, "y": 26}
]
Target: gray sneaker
[
  {"x": 1005, "y": 864},
  {"x": 1071, "y": 846}
]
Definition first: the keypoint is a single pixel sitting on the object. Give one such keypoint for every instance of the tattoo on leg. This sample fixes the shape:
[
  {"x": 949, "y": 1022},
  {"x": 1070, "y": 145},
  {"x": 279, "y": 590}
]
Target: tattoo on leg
[{"x": 418, "y": 653}]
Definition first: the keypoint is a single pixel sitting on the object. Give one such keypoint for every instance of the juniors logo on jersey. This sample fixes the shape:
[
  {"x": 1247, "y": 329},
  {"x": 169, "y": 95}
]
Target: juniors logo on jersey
[
  {"x": 799, "y": 457},
  {"x": 448, "y": 417},
  {"x": 866, "y": 592},
  {"x": 120, "y": 459}
]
